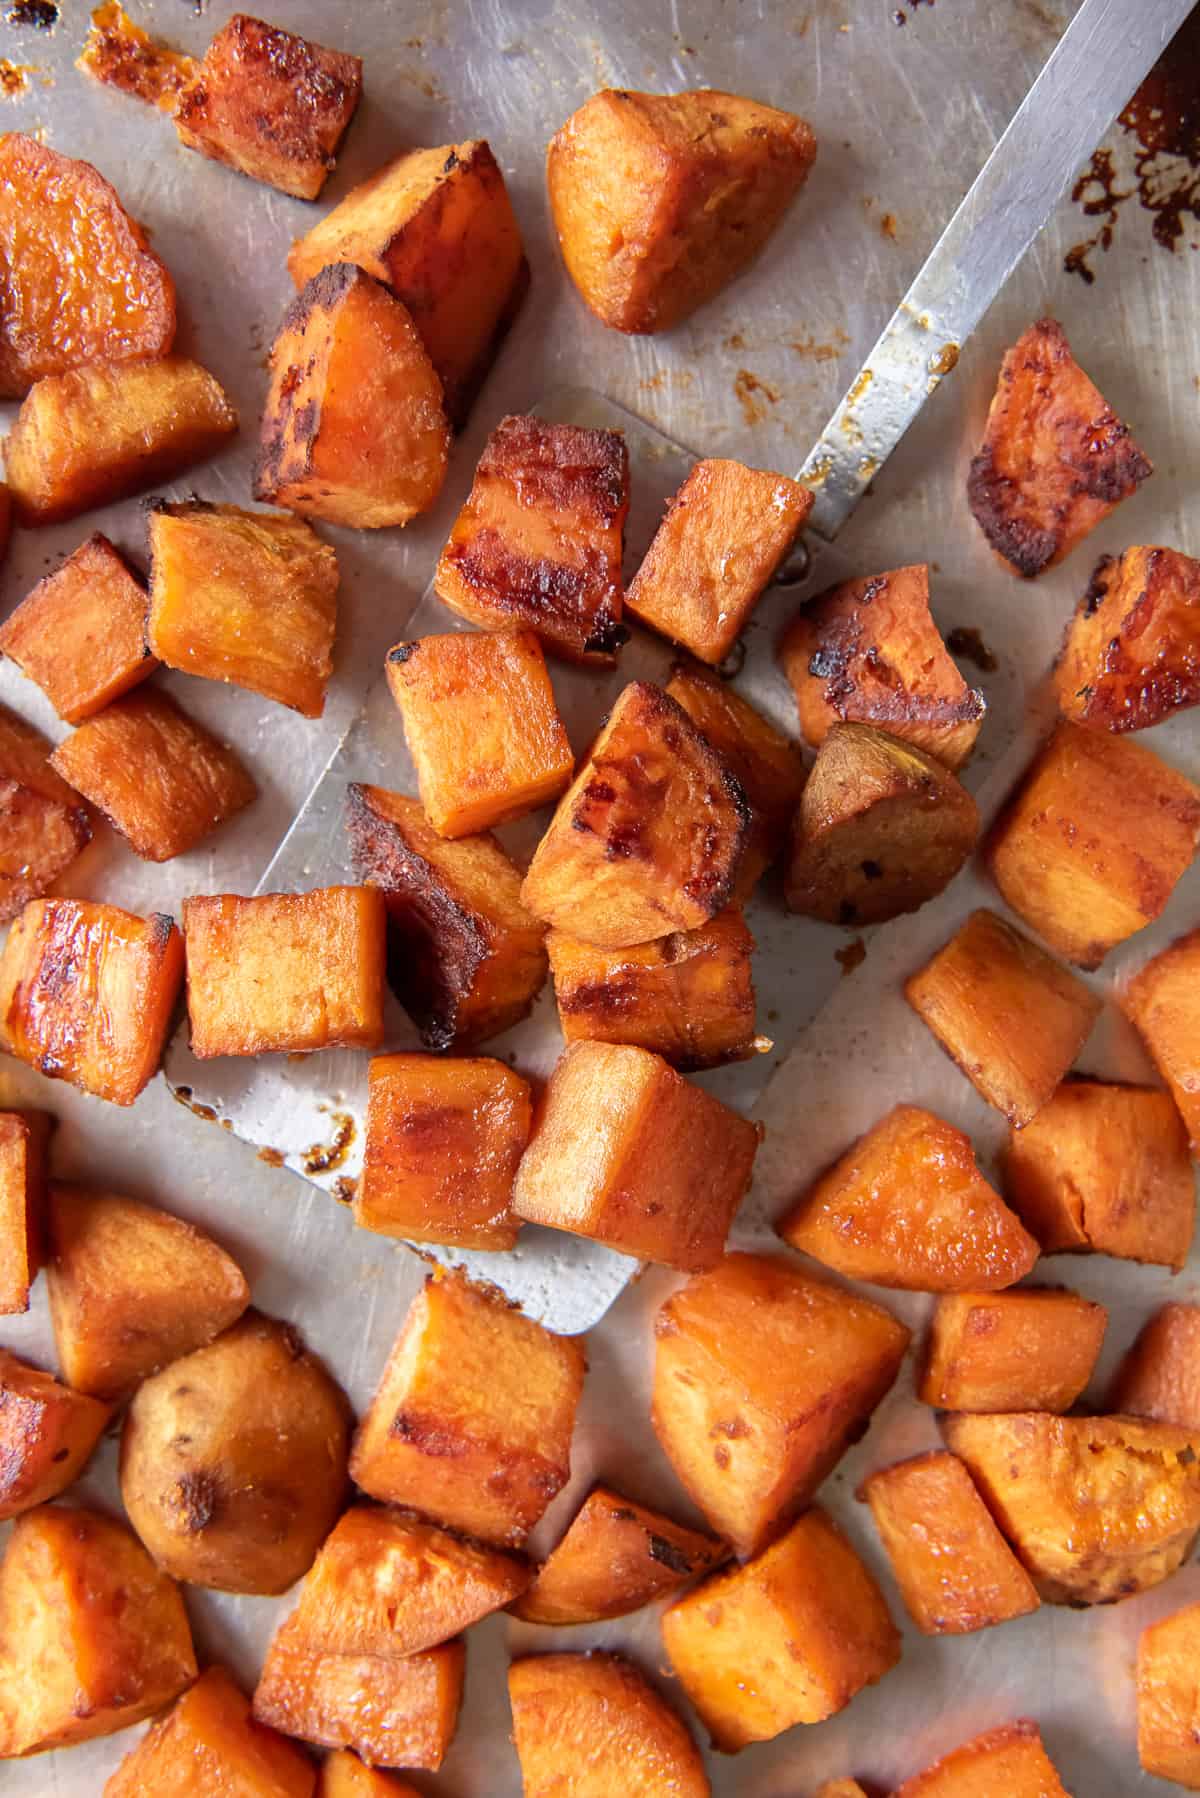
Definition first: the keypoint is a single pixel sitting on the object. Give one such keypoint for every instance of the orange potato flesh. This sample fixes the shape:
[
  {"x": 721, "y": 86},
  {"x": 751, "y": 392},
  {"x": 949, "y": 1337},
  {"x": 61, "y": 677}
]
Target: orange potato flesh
[
  {"x": 343, "y": 1775},
  {"x": 210, "y": 1742},
  {"x": 1027, "y": 1350},
  {"x": 43, "y": 822},
  {"x": 1163, "y": 1002},
  {"x": 1168, "y": 1698},
  {"x": 1160, "y": 1375},
  {"x": 1131, "y": 655},
  {"x": 47, "y": 1435},
  {"x": 1009, "y": 1762},
  {"x": 591, "y": 1725},
  {"x": 841, "y": 1788},
  {"x": 119, "y": 54},
  {"x": 24, "y": 1139}
]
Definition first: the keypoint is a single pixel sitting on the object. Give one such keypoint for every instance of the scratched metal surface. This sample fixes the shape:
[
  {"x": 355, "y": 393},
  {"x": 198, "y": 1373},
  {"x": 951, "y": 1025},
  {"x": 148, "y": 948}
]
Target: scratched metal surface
[{"x": 905, "y": 115}]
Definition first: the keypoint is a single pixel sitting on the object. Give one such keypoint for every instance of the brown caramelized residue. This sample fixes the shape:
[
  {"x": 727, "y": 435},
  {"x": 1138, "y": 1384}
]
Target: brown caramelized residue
[
  {"x": 754, "y": 395},
  {"x": 41, "y": 13},
  {"x": 965, "y": 641},
  {"x": 121, "y": 55},
  {"x": 887, "y": 225},
  {"x": 323, "y": 1157},
  {"x": 344, "y": 1190},
  {"x": 851, "y": 956},
  {"x": 272, "y": 1157},
  {"x": 14, "y": 78},
  {"x": 183, "y": 1096},
  {"x": 813, "y": 351}
]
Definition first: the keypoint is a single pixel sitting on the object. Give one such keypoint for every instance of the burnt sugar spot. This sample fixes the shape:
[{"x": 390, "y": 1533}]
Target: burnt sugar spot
[{"x": 754, "y": 395}]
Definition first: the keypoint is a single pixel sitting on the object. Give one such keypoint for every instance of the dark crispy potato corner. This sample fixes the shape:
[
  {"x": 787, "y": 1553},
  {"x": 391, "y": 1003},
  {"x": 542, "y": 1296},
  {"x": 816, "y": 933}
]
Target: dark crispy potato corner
[
  {"x": 1131, "y": 656},
  {"x": 591, "y": 1722}
]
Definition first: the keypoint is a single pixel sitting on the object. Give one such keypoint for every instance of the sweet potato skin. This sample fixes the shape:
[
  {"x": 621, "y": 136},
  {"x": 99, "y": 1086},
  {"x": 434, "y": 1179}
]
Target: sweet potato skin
[
  {"x": 1028, "y": 1350},
  {"x": 44, "y": 824},
  {"x": 592, "y": 1725},
  {"x": 1167, "y": 1696},
  {"x": 1131, "y": 654},
  {"x": 1160, "y": 1376},
  {"x": 47, "y": 1435},
  {"x": 24, "y": 1140},
  {"x": 1161, "y": 1003},
  {"x": 210, "y": 1738},
  {"x": 1009, "y": 1762}
]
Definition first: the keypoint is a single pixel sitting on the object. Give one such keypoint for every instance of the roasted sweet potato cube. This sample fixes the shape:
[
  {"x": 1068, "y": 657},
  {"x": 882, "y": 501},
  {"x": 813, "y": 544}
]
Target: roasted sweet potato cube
[
  {"x": 482, "y": 726},
  {"x": 1131, "y": 655},
  {"x": 592, "y": 1725},
  {"x": 1097, "y": 1508},
  {"x": 626, "y": 1151},
  {"x": 343, "y": 1775},
  {"x": 211, "y": 1735},
  {"x": 1028, "y": 1350},
  {"x": 131, "y": 1288},
  {"x": 1055, "y": 458},
  {"x": 763, "y": 1377},
  {"x": 649, "y": 836},
  {"x": 87, "y": 993},
  {"x": 723, "y": 536},
  {"x": 353, "y": 429},
  {"x": 1163, "y": 1002},
  {"x": 465, "y": 958},
  {"x": 907, "y": 1206},
  {"x": 94, "y": 1637},
  {"x": 47, "y": 1435},
  {"x": 789, "y": 1638},
  {"x": 81, "y": 633},
  {"x": 437, "y": 226},
  {"x": 659, "y": 200},
  {"x": 100, "y": 433},
  {"x": 472, "y": 1419},
  {"x": 244, "y": 597},
  {"x": 1009, "y": 1762},
  {"x": 43, "y": 822},
  {"x": 24, "y": 1136},
  {"x": 868, "y": 652},
  {"x": 270, "y": 104},
  {"x": 1168, "y": 1697},
  {"x": 157, "y": 775},
  {"x": 1005, "y": 1011},
  {"x": 540, "y": 539},
  {"x": 285, "y": 972},
  {"x": 955, "y": 1571},
  {"x": 81, "y": 283},
  {"x": 117, "y": 53},
  {"x": 1160, "y": 1376},
  {"x": 615, "y": 1557}
]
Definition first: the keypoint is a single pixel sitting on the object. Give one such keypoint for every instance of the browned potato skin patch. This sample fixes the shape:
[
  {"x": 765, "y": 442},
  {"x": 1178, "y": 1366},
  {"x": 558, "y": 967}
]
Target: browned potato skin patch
[
  {"x": 1131, "y": 655},
  {"x": 47, "y": 1435},
  {"x": 591, "y": 1723},
  {"x": 1160, "y": 1375},
  {"x": 211, "y": 1728},
  {"x": 24, "y": 1144},
  {"x": 44, "y": 823},
  {"x": 1010, "y": 1762},
  {"x": 1030, "y": 1349}
]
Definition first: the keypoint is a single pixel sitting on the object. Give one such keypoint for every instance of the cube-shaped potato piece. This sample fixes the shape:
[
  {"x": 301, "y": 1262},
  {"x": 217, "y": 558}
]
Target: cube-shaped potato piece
[
  {"x": 1029, "y": 1350},
  {"x": 47, "y": 1434},
  {"x": 81, "y": 633},
  {"x": 592, "y": 1725},
  {"x": 540, "y": 539},
  {"x": 723, "y": 536},
  {"x": 789, "y": 1638},
  {"x": 1168, "y": 1697},
  {"x": 648, "y": 838},
  {"x": 659, "y": 200},
  {"x": 1160, "y": 1376},
  {"x": 131, "y": 1288},
  {"x": 95, "y": 1637},
  {"x": 1097, "y": 1508},
  {"x": 1011, "y": 1017},
  {"x": 1055, "y": 458},
  {"x": 752, "y": 1419},
  {"x": 1131, "y": 655},
  {"x": 615, "y": 1557},
  {"x": 438, "y": 228},
  {"x": 244, "y": 597},
  {"x": 81, "y": 282},
  {"x": 868, "y": 652},
  {"x": 471, "y": 1422},
  {"x": 1009, "y": 1762},
  {"x": 157, "y": 775},
  {"x": 270, "y": 104},
  {"x": 285, "y": 972},
  {"x": 482, "y": 726},
  {"x": 24, "y": 1136},
  {"x": 353, "y": 429},
  {"x": 43, "y": 822},
  {"x": 87, "y": 993},
  {"x": 343, "y": 1775},
  {"x": 1163, "y": 1002},
  {"x": 907, "y": 1206},
  {"x": 627, "y": 1152},
  {"x": 955, "y": 1571},
  {"x": 465, "y": 958},
  {"x": 211, "y": 1735},
  {"x": 1090, "y": 847},
  {"x": 98, "y": 434}
]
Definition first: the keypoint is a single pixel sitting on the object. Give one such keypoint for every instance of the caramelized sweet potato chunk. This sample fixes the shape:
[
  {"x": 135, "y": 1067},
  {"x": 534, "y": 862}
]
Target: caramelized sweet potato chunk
[
  {"x": 81, "y": 633},
  {"x": 87, "y": 992},
  {"x": 1163, "y": 1002},
  {"x": 1160, "y": 1376},
  {"x": 763, "y": 1376},
  {"x": 591, "y": 1725},
  {"x": 1131, "y": 655},
  {"x": 43, "y": 822},
  {"x": 210, "y": 1742},
  {"x": 1168, "y": 1697},
  {"x": 540, "y": 539},
  {"x": 472, "y": 1419},
  {"x": 868, "y": 652},
  {"x": 353, "y": 429},
  {"x": 659, "y": 200},
  {"x": 343, "y": 1775},
  {"x": 24, "y": 1136},
  {"x": 1009, "y": 1762},
  {"x": 1028, "y": 1350},
  {"x": 47, "y": 1435},
  {"x": 1055, "y": 458},
  {"x": 117, "y": 53},
  {"x": 1005, "y": 1011},
  {"x": 270, "y": 104}
]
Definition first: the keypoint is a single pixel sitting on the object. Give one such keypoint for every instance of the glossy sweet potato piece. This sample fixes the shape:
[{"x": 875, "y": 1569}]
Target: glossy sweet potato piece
[
  {"x": 907, "y": 1206},
  {"x": 1009, "y": 1762},
  {"x": 540, "y": 539},
  {"x": 443, "y": 1142},
  {"x": 465, "y": 958},
  {"x": 1131, "y": 654},
  {"x": 209, "y": 1742},
  {"x": 117, "y": 53},
  {"x": 482, "y": 727},
  {"x": 270, "y": 104},
  {"x": 87, "y": 993},
  {"x": 648, "y": 838},
  {"x": 1028, "y": 1350},
  {"x": 438, "y": 228},
  {"x": 1162, "y": 1001},
  {"x": 244, "y": 597},
  {"x": 591, "y": 1725},
  {"x": 868, "y": 652},
  {"x": 24, "y": 1137},
  {"x": 98, "y": 434},
  {"x": 659, "y": 200},
  {"x": 763, "y": 1376},
  {"x": 1005, "y": 1011},
  {"x": 81, "y": 632},
  {"x": 285, "y": 972},
  {"x": 81, "y": 283},
  {"x": 1168, "y": 1697},
  {"x": 343, "y": 1775},
  {"x": 627, "y": 1152},
  {"x": 1055, "y": 458},
  {"x": 47, "y": 1435},
  {"x": 353, "y": 429},
  {"x": 94, "y": 1637},
  {"x": 43, "y": 822},
  {"x": 1160, "y": 1376},
  {"x": 131, "y": 1288},
  {"x": 955, "y": 1571}
]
